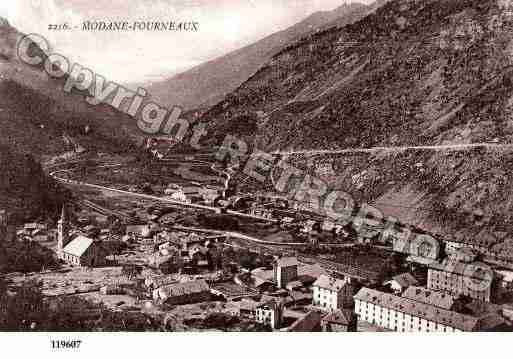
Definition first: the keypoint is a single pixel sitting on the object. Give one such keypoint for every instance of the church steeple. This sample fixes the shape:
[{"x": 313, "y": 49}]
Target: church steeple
[
  {"x": 64, "y": 215},
  {"x": 62, "y": 231}
]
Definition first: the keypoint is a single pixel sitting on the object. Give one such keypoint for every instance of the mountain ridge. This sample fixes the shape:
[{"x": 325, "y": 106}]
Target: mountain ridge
[
  {"x": 37, "y": 119},
  {"x": 411, "y": 73},
  {"x": 213, "y": 79}
]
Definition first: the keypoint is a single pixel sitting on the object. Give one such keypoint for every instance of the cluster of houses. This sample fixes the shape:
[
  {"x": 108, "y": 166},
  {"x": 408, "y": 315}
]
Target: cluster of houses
[
  {"x": 182, "y": 251},
  {"x": 447, "y": 288},
  {"x": 327, "y": 301}
]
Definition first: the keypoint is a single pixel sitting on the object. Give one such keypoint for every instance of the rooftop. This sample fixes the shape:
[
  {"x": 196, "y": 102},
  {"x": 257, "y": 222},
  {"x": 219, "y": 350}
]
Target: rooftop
[
  {"x": 436, "y": 298},
  {"x": 186, "y": 288},
  {"x": 342, "y": 316},
  {"x": 287, "y": 262},
  {"x": 329, "y": 283},
  {"x": 474, "y": 270},
  {"x": 405, "y": 280},
  {"x": 78, "y": 246}
]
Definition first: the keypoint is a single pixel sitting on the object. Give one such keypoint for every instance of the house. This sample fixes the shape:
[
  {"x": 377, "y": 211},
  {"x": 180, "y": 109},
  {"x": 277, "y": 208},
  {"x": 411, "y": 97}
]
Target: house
[
  {"x": 332, "y": 294},
  {"x": 453, "y": 244},
  {"x": 141, "y": 230},
  {"x": 505, "y": 280},
  {"x": 112, "y": 289},
  {"x": 177, "y": 195},
  {"x": 91, "y": 230},
  {"x": 400, "y": 282},
  {"x": 40, "y": 235},
  {"x": 191, "y": 240},
  {"x": 29, "y": 227},
  {"x": 285, "y": 271},
  {"x": 270, "y": 313},
  {"x": 310, "y": 322},
  {"x": 247, "y": 307},
  {"x": 465, "y": 254},
  {"x": 183, "y": 293},
  {"x": 342, "y": 320},
  {"x": 169, "y": 263},
  {"x": 3, "y": 219},
  {"x": 7, "y": 231},
  {"x": 209, "y": 195},
  {"x": 197, "y": 253},
  {"x": 84, "y": 251},
  {"x": 295, "y": 284},
  {"x": 507, "y": 311},
  {"x": 154, "y": 282}
]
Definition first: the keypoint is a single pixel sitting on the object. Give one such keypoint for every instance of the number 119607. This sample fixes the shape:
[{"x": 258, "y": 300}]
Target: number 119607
[{"x": 66, "y": 344}]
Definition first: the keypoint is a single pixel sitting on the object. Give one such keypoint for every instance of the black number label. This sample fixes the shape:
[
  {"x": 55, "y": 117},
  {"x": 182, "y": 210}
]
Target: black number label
[{"x": 66, "y": 344}]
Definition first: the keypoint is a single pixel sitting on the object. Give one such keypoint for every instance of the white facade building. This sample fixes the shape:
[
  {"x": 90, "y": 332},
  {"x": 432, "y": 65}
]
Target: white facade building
[
  {"x": 405, "y": 315},
  {"x": 332, "y": 294}
]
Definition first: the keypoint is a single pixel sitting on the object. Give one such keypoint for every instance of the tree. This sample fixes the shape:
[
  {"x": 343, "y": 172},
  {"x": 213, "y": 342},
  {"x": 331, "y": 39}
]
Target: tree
[{"x": 22, "y": 310}]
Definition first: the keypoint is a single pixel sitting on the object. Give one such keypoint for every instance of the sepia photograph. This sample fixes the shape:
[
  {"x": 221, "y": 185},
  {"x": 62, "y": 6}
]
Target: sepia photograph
[{"x": 334, "y": 167}]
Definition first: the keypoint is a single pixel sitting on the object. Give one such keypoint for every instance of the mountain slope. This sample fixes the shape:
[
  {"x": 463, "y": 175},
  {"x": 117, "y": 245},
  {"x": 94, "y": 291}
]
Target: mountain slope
[
  {"x": 25, "y": 191},
  {"x": 37, "y": 119},
  {"x": 425, "y": 72},
  {"x": 207, "y": 83},
  {"x": 35, "y": 111}
]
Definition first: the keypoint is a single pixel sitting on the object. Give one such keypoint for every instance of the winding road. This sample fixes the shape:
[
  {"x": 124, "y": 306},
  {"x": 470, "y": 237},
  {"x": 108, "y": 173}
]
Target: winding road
[
  {"x": 457, "y": 147},
  {"x": 57, "y": 175}
]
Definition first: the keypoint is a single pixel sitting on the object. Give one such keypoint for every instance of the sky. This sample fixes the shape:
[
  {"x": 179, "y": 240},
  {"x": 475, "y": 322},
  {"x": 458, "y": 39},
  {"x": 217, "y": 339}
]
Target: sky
[{"x": 128, "y": 57}]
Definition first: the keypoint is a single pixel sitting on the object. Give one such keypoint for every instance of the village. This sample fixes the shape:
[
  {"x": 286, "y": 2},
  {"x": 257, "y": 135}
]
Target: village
[{"x": 265, "y": 263}]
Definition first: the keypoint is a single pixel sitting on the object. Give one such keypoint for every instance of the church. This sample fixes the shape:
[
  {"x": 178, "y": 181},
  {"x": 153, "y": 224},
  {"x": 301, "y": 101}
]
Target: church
[{"x": 80, "y": 251}]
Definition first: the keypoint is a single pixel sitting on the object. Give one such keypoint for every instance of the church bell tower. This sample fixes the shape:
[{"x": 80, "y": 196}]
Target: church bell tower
[{"x": 62, "y": 231}]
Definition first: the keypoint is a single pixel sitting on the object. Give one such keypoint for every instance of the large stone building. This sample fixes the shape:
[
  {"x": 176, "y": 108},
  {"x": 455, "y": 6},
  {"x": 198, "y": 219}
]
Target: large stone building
[
  {"x": 285, "y": 271},
  {"x": 421, "y": 248},
  {"x": 332, "y": 294},
  {"x": 469, "y": 279},
  {"x": 406, "y": 315}
]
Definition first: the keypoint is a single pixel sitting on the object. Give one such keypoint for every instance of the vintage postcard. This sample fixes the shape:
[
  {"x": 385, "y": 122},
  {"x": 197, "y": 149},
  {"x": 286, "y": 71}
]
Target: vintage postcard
[{"x": 256, "y": 166}]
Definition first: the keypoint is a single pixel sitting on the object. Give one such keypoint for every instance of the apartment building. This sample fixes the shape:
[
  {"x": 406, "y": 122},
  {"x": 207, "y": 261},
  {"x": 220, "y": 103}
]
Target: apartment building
[
  {"x": 422, "y": 248},
  {"x": 332, "y": 294},
  {"x": 459, "y": 278}
]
